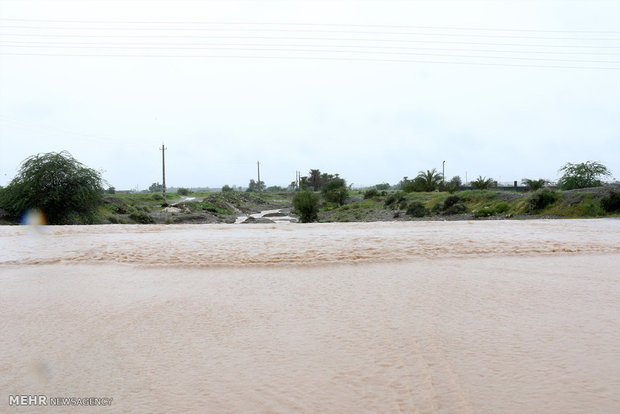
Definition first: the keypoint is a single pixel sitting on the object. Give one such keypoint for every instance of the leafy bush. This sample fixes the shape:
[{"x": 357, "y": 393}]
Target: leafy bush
[
  {"x": 457, "y": 208},
  {"x": 416, "y": 209},
  {"x": 306, "y": 204},
  {"x": 183, "y": 191},
  {"x": 542, "y": 199},
  {"x": 64, "y": 189},
  {"x": 485, "y": 211},
  {"x": 335, "y": 191},
  {"x": 454, "y": 184},
  {"x": 371, "y": 193},
  {"x": 157, "y": 197},
  {"x": 141, "y": 217},
  {"x": 611, "y": 202},
  {"x": 394, "y": 198},
  {"x": 227, "y": 189},
  {"x": 501, "y": 207},
  {"x": 450, "y": 201},
  {"x": 382, "y": 186}
]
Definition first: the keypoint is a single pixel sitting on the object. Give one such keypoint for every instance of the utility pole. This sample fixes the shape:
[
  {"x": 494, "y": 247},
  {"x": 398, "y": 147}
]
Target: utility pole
[
  {"x": 163, "y": 168},
  {"x": 258, "y": 183},
  {"x": 443, "y": 173}
]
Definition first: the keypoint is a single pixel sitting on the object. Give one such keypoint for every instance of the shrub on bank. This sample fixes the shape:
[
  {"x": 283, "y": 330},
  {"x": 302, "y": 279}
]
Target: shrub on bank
[
  {"x": 416, "y": 209},
  {"x": 394, "y": 198},
  {"x": 542, "y": 199},
  {"x": 306, "y": 204},
  {"x": 371, "y": 193},
  {"x": 141, "y": 217},
  {"x": 611, "y": 202}
]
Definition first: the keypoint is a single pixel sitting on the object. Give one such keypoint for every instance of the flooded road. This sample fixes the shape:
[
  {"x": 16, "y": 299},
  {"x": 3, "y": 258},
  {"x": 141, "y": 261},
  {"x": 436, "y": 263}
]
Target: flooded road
[{"x": 421, "y": 317}]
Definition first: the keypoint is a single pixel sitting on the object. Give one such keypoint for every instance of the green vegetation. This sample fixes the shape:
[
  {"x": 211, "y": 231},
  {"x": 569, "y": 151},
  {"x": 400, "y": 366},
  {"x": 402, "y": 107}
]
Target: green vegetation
[
  {"x": 56, "y": 183},
  {"x": 335, "y": 191},
  {"x": 156, "y": 188},
  {"x": 416, "y": 209},
  {"x": 611, "y": 202},
  {"x": 482, "y": 183},
  {"x": 542, "y": 199},
  {"x": 533, "y": 185},
  {"x": 424, "y": 197},
  {"x": 256, "y": 186},
  {"x": 582, "y": 175},
  {"x": 306, "y": 205},
  {"x": 425, "y": 181},
  {"x": 371, "y": 193},
  {"x": 428, "y": 181},
  {"x": 454, "y": 184}
]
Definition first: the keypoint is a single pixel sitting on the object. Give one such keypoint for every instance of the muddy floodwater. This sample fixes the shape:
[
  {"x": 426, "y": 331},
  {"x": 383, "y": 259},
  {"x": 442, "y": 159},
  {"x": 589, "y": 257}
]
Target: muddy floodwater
[{"x": 414, "y": 317}]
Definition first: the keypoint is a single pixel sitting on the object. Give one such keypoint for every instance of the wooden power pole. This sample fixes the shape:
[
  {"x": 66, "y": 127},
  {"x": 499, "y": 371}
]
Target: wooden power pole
[{"x": 163, "y": 168}]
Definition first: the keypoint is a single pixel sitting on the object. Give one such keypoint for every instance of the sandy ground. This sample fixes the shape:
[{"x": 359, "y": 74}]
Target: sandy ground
[{"x": 521, "y": 328}]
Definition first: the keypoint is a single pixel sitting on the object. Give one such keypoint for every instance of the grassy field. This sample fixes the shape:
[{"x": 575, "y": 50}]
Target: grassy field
[{"x": 362, "y": 206}]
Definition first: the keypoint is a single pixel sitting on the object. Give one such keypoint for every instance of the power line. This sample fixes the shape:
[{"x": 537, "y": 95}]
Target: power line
[
  {"x": 298, "y": 50},
  {"x": 311, "y": 25},
  {"x": 46, "y": 36},
  {"x": 180, "y": 45},
  {"x": 90, "y": 28},
  {"x": 308, "y": 58}
]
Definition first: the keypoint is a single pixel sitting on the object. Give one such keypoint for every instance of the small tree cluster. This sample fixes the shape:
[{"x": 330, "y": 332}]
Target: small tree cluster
[
  {"x": 428, "y": 180},
  {"x": 255, "y": 186}
]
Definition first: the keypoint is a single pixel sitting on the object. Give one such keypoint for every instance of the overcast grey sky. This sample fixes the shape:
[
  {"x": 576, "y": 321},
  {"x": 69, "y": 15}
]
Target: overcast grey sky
[{"x": 373, "y": 90}]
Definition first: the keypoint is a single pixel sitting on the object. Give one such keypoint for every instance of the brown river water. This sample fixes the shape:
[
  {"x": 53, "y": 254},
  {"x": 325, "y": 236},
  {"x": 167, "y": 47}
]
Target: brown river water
[{"x": 414, "y": 317}]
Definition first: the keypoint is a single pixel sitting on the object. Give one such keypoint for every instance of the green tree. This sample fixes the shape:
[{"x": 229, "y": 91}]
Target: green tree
[
  {"x": 256, "y": 186},
  {"x": 428, "y": 181},
  {"x": 306, "y": 204},
  {"x": 454, "y": 184},
  {"x": 183, "y": 191},
  {"x": 56, "y": 183},
  {"x": 314, "y": 178},
  {"x": 534, "y": 185},
  {"x": 582, "y": 175},
  {"x": 335, "y": 191},
  {"x": 482, "y": 183},
  {"x": 156, "y": 188}
]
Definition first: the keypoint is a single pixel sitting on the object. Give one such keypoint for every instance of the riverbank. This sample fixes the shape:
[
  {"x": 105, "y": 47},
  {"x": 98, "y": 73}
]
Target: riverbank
[{"x": 362, "y": 206}]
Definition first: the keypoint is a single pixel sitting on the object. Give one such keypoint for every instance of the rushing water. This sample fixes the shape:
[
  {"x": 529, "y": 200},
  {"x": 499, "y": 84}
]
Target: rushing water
[{"x": 427, "y": 317}]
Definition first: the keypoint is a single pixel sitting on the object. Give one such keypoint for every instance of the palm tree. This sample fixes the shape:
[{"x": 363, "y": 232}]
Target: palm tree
[
  {"x": 534, "y": 185},
  {"x": 482, "y": 183},
  {"x": 429, "y": 180},
  {"x": 315, "y": 179}
]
